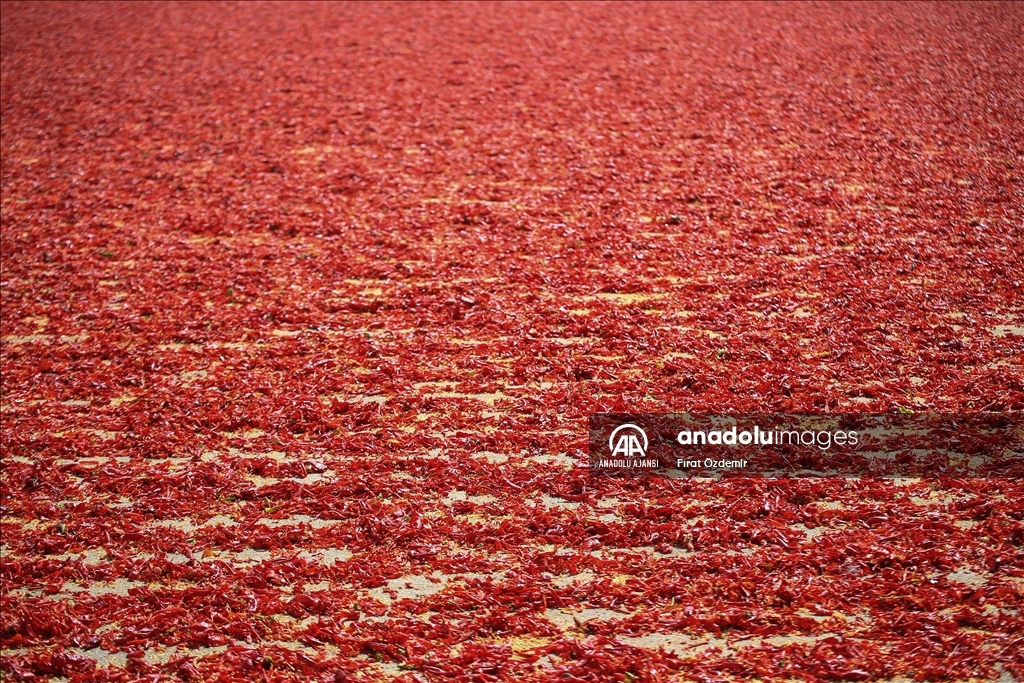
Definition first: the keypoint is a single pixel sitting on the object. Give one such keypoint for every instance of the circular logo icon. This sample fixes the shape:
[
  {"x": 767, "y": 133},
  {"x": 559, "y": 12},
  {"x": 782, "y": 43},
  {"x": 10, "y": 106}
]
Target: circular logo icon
[{"x": 629, "y": 441}]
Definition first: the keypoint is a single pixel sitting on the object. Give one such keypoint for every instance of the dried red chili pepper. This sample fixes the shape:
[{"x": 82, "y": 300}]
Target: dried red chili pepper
[{"x": 304, "y": 379}]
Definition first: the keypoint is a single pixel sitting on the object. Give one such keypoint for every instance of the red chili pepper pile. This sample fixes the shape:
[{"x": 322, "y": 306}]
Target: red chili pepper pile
[{"x": 305, "y": 307}]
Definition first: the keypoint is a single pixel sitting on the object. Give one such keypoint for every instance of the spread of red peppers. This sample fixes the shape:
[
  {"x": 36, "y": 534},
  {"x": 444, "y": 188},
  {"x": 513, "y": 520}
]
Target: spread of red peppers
[{"x": 305, "y": 306}]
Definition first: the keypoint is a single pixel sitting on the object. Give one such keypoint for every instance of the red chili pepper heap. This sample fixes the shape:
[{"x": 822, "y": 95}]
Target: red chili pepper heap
[{"x": 304, "y": 308}]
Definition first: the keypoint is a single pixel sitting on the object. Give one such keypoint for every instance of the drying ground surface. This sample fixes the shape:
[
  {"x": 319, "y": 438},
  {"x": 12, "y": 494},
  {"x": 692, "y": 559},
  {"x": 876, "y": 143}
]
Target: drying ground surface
[{"x": 305, "y": 306}]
